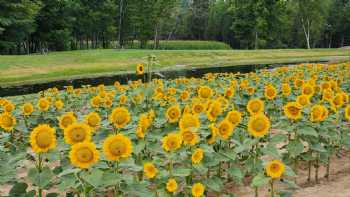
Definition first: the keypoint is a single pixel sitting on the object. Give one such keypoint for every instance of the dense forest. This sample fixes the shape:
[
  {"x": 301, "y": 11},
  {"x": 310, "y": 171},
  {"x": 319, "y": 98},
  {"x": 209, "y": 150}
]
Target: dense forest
[{"x": 31, "y": 26}]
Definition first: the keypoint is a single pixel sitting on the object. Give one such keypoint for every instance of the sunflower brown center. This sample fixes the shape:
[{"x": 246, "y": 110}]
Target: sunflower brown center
[
  {"x": 117, "y": 148},
  {"x": 293, "y": 110},
  {"x": 7, "y": 121},
  {"x": 84, "y": 155},
  {"x": 43, "y": 139},
  {"x": 274, "y": 168},
  {"x": 259, "y": 125},
  {"x": 78, "y": 134}
]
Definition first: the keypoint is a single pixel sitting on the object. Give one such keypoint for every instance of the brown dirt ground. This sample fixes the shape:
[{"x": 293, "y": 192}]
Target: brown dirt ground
[{"x": 338, "y": 184}]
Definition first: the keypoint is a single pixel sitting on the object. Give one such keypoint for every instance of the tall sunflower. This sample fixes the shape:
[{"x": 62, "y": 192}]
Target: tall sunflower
[
  {"x": 27, "y": 109},
  {"x": 77, "y": 132},
  {"x": 171, "y": 185},
  {"x": 120, "y": 117},
  {"x": 150, "y": 170},
  {"x": 43, "y": 104},
  {"x": 7, "y": 121},
  {"x": 173, "y": 113},
  {"x": 197, "y": 156},
  {"x": 205, "y": 92},
  {"x": 117, "y": 147},
  {"x": 172, "y": 142},
  {"x": 84, "y": 154},
  {"x": 292, "y": 110},
  {"x": 318, "y": 113},
  {"x": 303, "y": 100},
  {"x": 189, "y": 121},
  {"x": 347, "y": 112},
  {"x": 258, "y": 125},
  {"x": 234, "y": 117},
  {"x": 270, "y": 92},
  {"x": 43, "y": 138},
  {"x": 140, "y": 69},
  {"x": 66, "y": 119},
  {"x": 93, "y": 119},
  {"x": 275, "y": 169},
  {"x": 225, "y": 129},
  {"x": 189, "y": 137},
  {"x": 255, "y": 106}
]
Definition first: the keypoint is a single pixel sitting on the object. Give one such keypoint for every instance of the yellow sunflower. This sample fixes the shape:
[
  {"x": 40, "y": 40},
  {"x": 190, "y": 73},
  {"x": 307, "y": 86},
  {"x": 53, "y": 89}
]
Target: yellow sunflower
[
  {"x": 303, "y": 100},
  {"x": 95, "y": 101},
  {"x": 211, "y": 139},
  {"x": 189, "y": 121},
  {"x": 292, "y": 110},
  {"x": 172, "y": 142},
  {"x": 140, "y": 69},
  {"x": 27, "y": 109},
  {"x": 198, "y": 108},
  {"x": 7, "y": 121},
  {"x": 318, "y": 113},
  {"x": 270, "y": 92},
  {"x": 275, "y": 169},
  {"x": 67, "y": 119},
  {"x": 93, "y": 120},
  {"x": 214, "y": 110},
  {"x": 117, "y": 147},
  {"x": 43, "y": 138},
  {"x": 327, "y": 95},
  {"x": 347, "y": 112},
  {"x": 255, "y": 106},
  {"x": 43, "y": 104},
  {"x": 173, "y": 113},
  {"x": 197, "y": 156},
  {"x": 225, "y": 129},
  {"x": 59, "y": 104},
  {"x": 84, "y": 154},
  {"x": 308, "y": 89},
  {"x": 338, "y": 101},
  {"x": 149, "y": 170},
  {"x": 9, "y": 106},
  {"x": 258, "y": 125},
  {"x": 189, "y": 137},
  {"x": 286, "y": 89},
  {"x": 120, "y": 117},
  {"x": 171, "y": 185},
  {"x": 229, "y": 92},
  {"x": 198, "y": 190},
  {"x": 77, "y": 132},
  {"x": 184, "y": 95},
  {"x": 205, "y": 92},
  {"x": 234, "y": 117}
]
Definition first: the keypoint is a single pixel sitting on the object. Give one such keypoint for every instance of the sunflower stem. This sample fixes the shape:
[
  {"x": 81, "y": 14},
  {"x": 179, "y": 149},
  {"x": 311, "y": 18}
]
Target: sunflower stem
[
  {"x": 316, "y": 169},
  {"x": 272, "y": 192},
  {"x": 116, "y": 187},
  {"x": 309, "y": 171},
  {"x": 39, "y": 166},
  {"x": 328, "y": 168}
]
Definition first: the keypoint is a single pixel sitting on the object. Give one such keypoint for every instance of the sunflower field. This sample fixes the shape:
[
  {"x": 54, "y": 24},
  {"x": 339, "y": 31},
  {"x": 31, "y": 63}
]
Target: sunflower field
[{"x": 182, "y": 137}]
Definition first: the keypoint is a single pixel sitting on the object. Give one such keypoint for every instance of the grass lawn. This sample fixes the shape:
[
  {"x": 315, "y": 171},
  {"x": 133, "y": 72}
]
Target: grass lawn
[{"x": 29, "y": 69}]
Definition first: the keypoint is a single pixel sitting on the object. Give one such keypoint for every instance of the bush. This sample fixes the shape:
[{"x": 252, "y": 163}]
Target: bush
[{"x": 181, "y": 45}]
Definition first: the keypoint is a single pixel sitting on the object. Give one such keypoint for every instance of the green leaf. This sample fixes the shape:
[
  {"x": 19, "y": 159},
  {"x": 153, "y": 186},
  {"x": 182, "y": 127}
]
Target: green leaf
[
  {"x": 308, "y": 131},
  {"x": 18, "y": 189},
  {"x": 52, "y": 195},
  {"x": 236, "y": 173},
  {"x": 109, "y": 179},
  {"x": 214, "y": 183},
  {"x": 260, "y": 180},
  {"x": 94, "y": 177},
  {"x": 67, "y": 182},
  {"x": 41, "y": 179},
  {"x": 289, "y": 172},
  {"x": 139, "y": 147},
  {"x": 278, "y": 139},
  {"x": 138, "y": 189},
  {"x": 181, "y": 172},
  {"x": 271, "y": 150},
  {"x": 295, "y": 148},
  {"x": 228, "y": 154},
  {"x": 318, "y": 147}
]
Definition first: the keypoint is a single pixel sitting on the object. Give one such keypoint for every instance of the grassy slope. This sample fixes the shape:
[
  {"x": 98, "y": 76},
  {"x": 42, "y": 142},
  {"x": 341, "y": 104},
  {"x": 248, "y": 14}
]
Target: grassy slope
[{"x": 74, "y": 64}]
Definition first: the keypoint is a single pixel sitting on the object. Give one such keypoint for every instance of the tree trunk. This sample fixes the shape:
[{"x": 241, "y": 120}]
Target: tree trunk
[
  {"x": 256, "y": 40},
  {"x": 306, "y": 28},
  {"x": 155, "y": 45}
]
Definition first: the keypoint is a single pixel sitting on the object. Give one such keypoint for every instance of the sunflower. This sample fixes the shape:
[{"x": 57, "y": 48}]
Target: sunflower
[
  {"x": 77, "y": 132},
  {"x": 67, "y": 119},
  {"x": 214, "y": 110},
  {"x": 234, "y": 117},
  {"x": 184, "y": 95},
  {"x": 275, "y": 169},
  {"x": 171, "y": 185},
  {"x": 303, "y": 100},
  {"x": 173, "y": 113},
  {"x": 255, "y": 106},
  {"x": 9, "y": 107},
  {"x": 43, "y": 138},
  {"x": 150, "y": 170},
  {"x": 140, "y": 69},
  {"x": 318, "y": 113},
  {"x": 93, "y": 120},
  {"x": 286, "y": 89},
  {"x": 258, "y": 125},
  {"x": 120, "y": 117},
  {"x": 270, "y": 92},
  {"x": 7, "y": 121},
  {"x": 338, "y": 101},
  {"x": 59, "y": 104},
  {"x": 189, "y": 121},
  {"x": 84, "y": 154},
  {"x": 172, "y": 142},
  {"x": 95, "y": 101},
  {"x": 123, "y": 99},
  {"x": 197, "y": 156},
  {"x": 198, "y": 108},
  {"x": 292, "y": 110},
  {"x": 117, "y": 147},
  {"x": 27, "y": 109},
  {"x": 198, "y": 190},
  {"x": 308, "y": 89},
  {"x": 205, "y": 92},
  {"x": 189, "y": 137},
  {"x": 108, "y": 102},
  {"x": 229, "y": 92},
  {"x": 327, "y": 95},
  {"x": 225, "y": 129},
  {"x": 43, "y": 104},
  {"x": 214, "y": 132},
  {"x": 347, "y": 112}
]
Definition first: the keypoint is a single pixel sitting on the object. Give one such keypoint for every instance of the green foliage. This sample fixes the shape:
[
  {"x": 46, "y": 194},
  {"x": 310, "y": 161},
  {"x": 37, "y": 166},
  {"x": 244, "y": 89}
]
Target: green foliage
[{"x": 182, "y": 45}]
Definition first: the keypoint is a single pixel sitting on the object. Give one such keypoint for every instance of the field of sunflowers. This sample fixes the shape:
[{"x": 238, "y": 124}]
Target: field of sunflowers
[{"x": 182, "y": 137}]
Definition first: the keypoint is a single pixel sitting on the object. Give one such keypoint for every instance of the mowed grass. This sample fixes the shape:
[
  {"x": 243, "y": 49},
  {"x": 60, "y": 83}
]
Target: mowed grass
[{"x": 30, "y": 69}]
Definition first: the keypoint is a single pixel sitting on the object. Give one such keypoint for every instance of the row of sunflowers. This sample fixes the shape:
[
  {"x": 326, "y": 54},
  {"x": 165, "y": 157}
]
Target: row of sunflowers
[{"x": 182, "y": 137}]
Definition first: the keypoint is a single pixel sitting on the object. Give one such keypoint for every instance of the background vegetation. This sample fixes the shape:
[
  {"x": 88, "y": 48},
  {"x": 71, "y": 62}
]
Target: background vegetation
[{"x": 29, "y": 26}]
